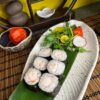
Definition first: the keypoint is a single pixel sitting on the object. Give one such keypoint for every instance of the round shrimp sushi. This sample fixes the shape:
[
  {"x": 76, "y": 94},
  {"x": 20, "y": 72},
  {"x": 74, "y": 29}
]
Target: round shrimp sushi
[
  {"x": 45, "y": 52},
  {"x": 40, "y": 63},
  {"x": 48, "y": 82},
  {"x": 59, "y": 55},
  {"x": 32, "y": 76},
  {"x": 56, "y": 67}
]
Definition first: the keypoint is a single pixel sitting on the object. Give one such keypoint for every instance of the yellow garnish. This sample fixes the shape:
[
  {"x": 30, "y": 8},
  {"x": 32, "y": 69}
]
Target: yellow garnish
[
  {"x": 59, "y": 29},
  {"x": 64, "y": 38}
]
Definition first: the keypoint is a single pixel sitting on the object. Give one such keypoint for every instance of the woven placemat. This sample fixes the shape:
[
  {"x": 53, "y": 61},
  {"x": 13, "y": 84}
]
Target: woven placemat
[
  {"x": 12, "y": 64},
  {"x": 93, "y": 90}
]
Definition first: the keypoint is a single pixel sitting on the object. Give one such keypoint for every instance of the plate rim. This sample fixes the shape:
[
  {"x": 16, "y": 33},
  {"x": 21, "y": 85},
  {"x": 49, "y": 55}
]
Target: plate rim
[{"x": 93, "y": 65}]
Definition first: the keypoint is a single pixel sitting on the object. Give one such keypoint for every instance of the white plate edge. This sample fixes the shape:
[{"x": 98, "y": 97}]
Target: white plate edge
[{"x": 80, "y": 97}]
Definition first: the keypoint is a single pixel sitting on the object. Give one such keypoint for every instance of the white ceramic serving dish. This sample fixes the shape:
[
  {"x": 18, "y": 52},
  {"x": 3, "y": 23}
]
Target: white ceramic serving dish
[{"x": 78, "y": 78}]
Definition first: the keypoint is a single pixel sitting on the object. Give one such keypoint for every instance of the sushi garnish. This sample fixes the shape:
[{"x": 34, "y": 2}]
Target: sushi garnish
[
  {"x": 64, "y": 38},
  {"x": 79, "y": 41},
  {"x": 78, "y": 31}
]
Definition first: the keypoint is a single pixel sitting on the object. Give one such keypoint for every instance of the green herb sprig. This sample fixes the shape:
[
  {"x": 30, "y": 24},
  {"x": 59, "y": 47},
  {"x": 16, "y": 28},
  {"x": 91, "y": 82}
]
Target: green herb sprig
[{"x": 53, "y": 39}]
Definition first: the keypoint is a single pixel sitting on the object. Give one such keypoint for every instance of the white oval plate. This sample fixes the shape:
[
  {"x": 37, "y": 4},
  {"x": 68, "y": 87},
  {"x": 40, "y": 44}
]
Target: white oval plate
[{"x": 78, "y": 78}]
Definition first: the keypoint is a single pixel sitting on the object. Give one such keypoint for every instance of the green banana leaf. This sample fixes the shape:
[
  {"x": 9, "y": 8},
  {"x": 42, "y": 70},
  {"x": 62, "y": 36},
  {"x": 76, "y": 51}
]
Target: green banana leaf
[{"x": 22, "y": 92}]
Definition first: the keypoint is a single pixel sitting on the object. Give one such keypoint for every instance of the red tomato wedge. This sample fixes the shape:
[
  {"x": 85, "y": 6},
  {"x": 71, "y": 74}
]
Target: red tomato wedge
[
  {"x": 78, "y": 31},
  {"x": 17, "y": 34}
]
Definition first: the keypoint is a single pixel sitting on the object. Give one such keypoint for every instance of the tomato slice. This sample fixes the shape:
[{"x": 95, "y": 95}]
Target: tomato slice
[{"x": 78, "y": 31}]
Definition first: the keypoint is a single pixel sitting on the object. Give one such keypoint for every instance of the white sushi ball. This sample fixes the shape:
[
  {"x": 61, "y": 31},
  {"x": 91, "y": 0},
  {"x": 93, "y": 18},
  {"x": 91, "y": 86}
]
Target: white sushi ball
[
  {"x": 59, "y": 55},
  {"x": 45, "y": 52},
  {"x": 56, "y": 67},
  {"x": 32, "y": 76},
  {"x": 40, "y": 63},
  {"x": 48, "y": 82}
]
